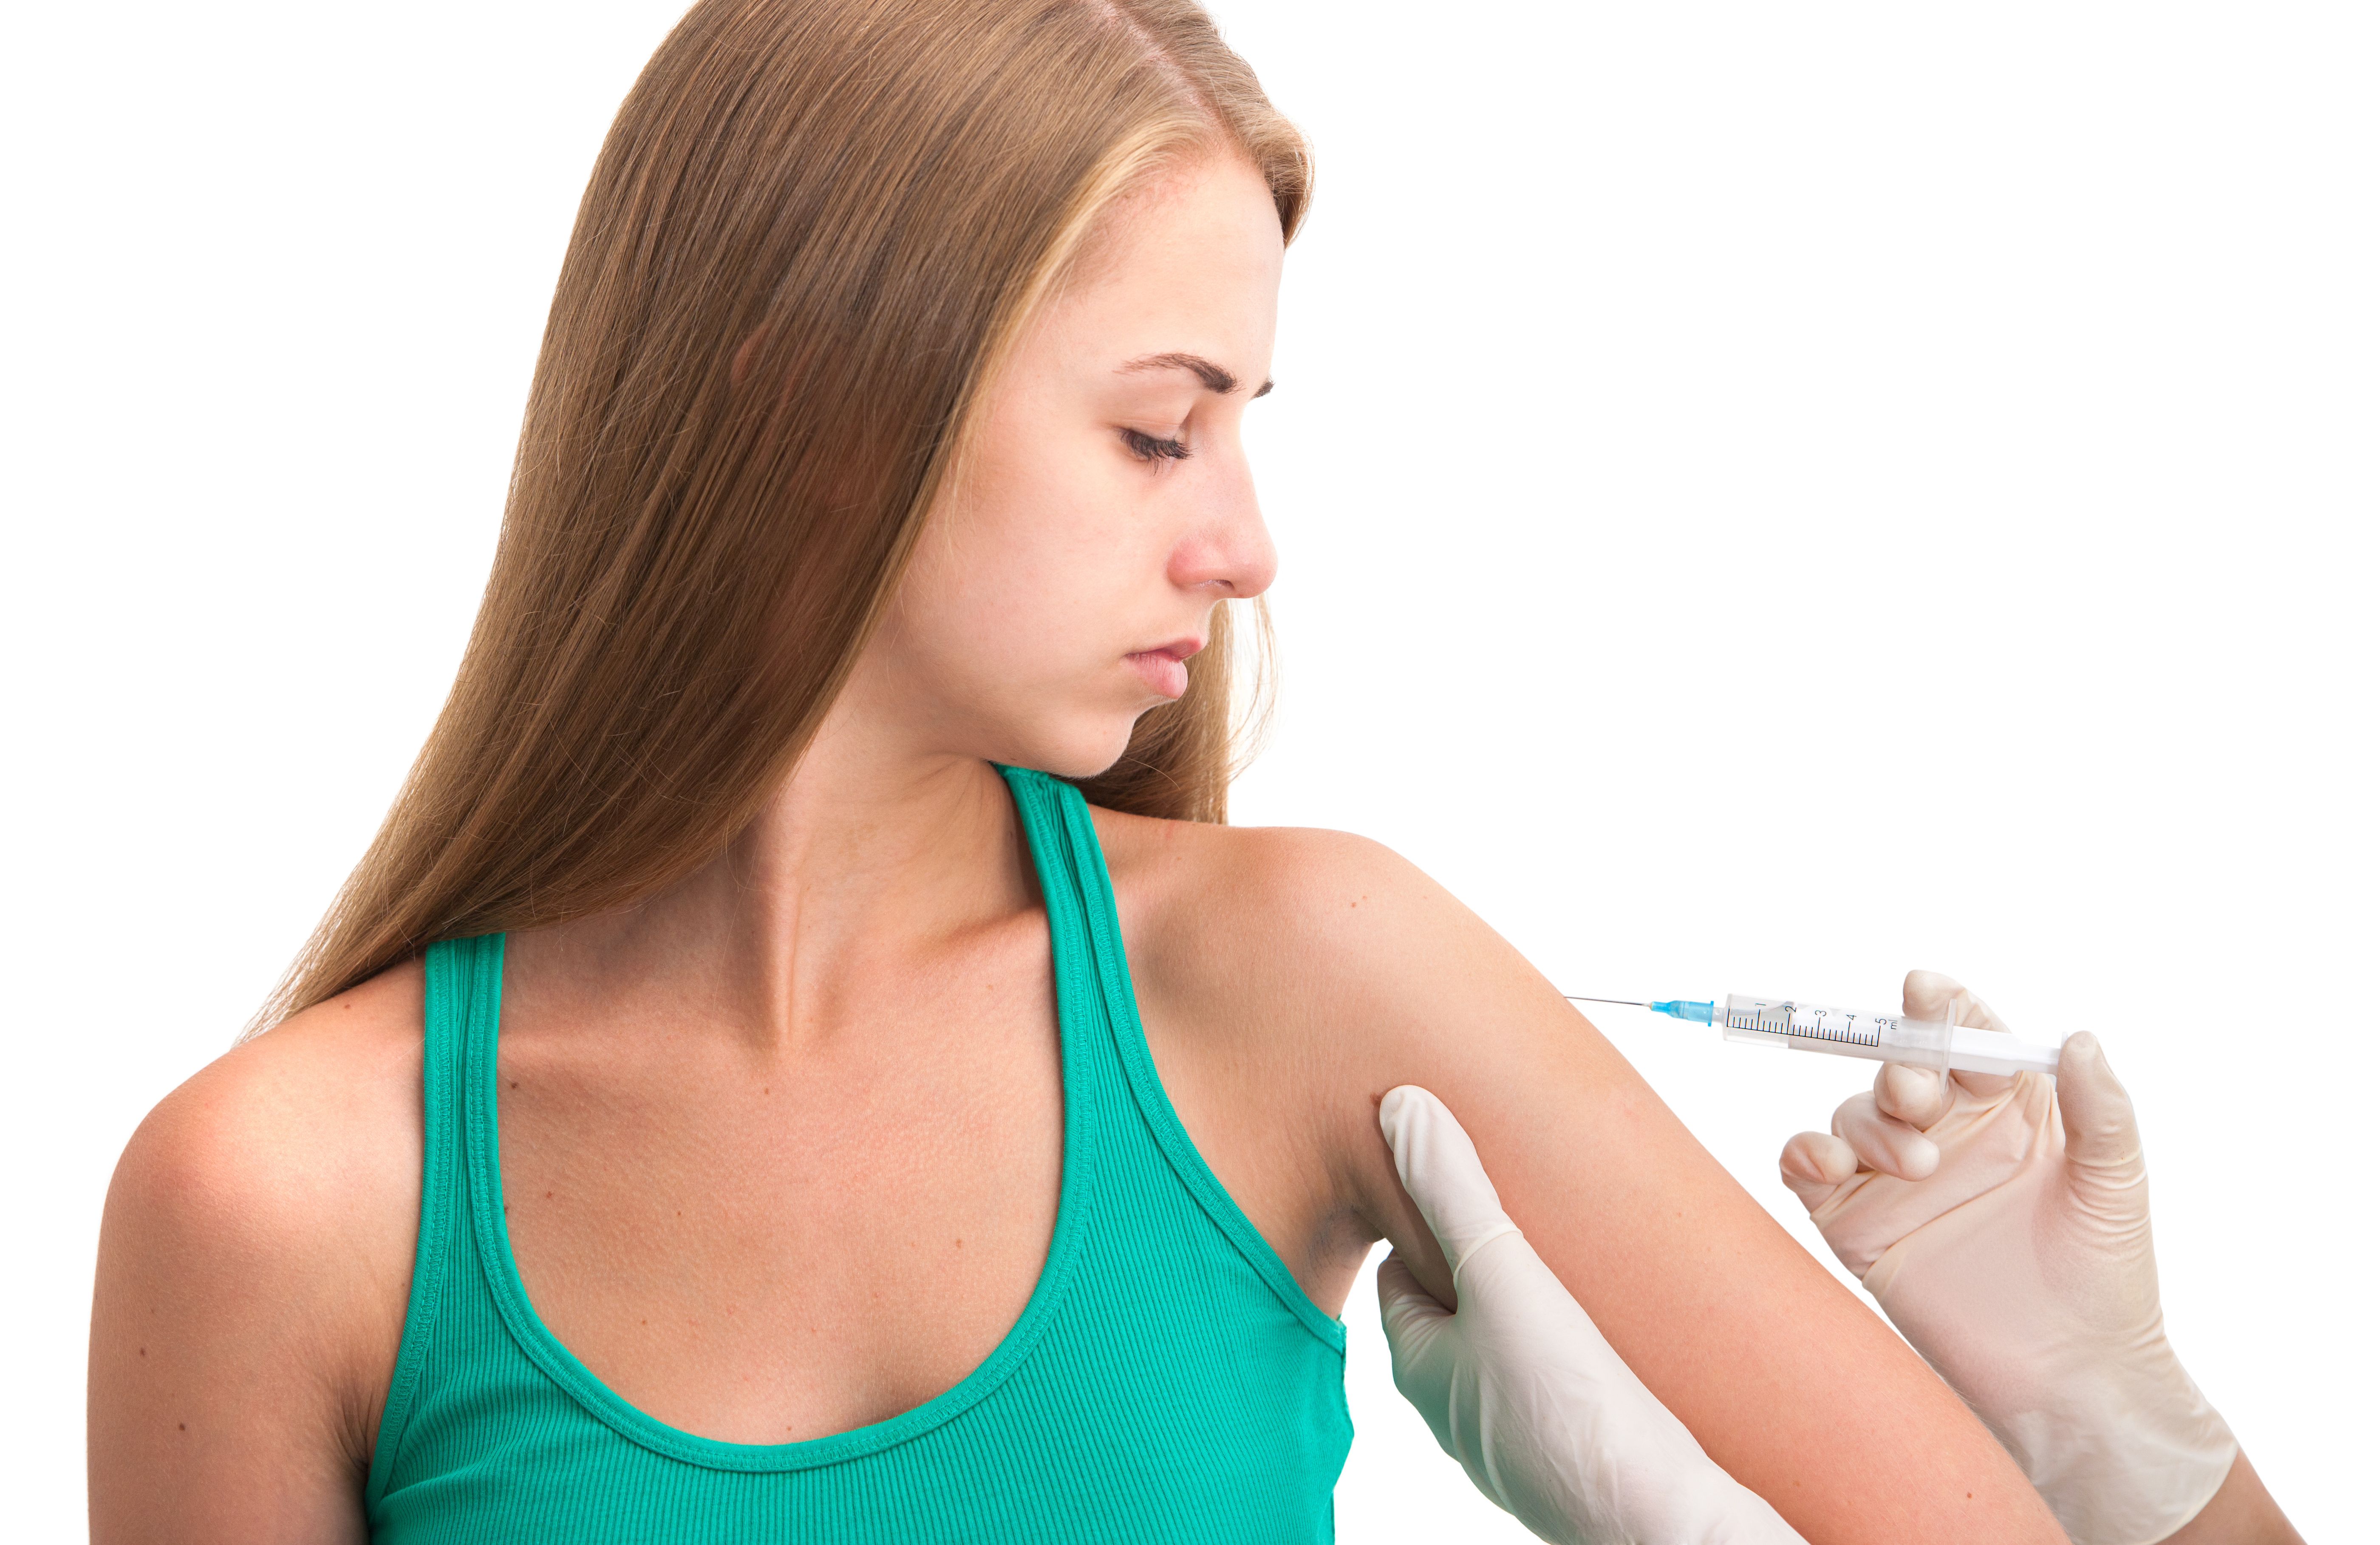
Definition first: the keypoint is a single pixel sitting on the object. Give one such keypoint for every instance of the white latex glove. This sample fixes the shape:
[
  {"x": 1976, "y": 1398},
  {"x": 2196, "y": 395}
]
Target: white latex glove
[
  {"x": 1521, "y": 1387},
  {"x": 2003, "y": 1224}
]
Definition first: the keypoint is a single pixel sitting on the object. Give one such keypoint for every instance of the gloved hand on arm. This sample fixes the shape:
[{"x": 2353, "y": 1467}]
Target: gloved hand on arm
[
  {"x": 2002, "y": 1224},
  {"x": 1518, "y": 1384}
]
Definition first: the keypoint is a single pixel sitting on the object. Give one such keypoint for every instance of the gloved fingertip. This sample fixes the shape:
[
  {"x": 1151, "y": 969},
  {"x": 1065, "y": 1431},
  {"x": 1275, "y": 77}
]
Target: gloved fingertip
[
  {"x": 1818, "y": 1157},
  {"x": 1916, "y": 1095},
  {"x": 2093, "y": 1104},
  {"x": 1922, "y": 994},
  {"x": 2083, "y": 1062}
]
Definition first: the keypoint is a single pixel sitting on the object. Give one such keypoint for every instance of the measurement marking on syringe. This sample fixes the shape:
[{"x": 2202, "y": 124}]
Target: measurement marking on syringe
[
  {"x": 1792, "y": 1022},
  {"x": 1847, "y": 1035}
]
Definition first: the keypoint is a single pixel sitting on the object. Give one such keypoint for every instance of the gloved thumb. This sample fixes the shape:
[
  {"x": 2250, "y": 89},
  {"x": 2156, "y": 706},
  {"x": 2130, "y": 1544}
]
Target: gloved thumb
[
  {"x": 1441, "y": 1171},
  {"x": 1409, "y": 1314},
  {"x": 2102, "y": 1137}
]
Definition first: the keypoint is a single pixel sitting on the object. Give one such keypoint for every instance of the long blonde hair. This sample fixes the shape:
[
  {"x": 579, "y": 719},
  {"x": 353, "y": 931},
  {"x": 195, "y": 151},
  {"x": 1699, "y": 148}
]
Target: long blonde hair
[{"x": 866, "y": 199}]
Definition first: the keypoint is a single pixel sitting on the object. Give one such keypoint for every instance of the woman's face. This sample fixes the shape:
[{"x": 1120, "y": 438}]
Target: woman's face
[{"x": 1076, "y": 560}]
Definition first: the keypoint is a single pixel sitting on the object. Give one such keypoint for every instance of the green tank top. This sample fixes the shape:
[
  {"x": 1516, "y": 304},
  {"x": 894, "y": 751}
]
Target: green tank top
[{"x": 1168, "y": 1380}]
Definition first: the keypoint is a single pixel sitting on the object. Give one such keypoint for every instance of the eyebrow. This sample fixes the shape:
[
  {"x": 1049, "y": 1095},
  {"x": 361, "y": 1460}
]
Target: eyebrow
[{"x": 1212, "y": 376}]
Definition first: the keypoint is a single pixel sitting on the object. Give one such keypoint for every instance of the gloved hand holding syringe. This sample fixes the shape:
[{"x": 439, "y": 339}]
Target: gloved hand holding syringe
[{"x": 1944, "y": 1045}]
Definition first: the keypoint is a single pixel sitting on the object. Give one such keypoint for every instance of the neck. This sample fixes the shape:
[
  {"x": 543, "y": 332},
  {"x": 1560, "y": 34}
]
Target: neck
[{"x": 873, "y": 854}]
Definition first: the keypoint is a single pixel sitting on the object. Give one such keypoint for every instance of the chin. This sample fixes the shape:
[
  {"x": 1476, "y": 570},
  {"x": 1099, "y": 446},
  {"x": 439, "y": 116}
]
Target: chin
[{"x": 1077, "y": 747}]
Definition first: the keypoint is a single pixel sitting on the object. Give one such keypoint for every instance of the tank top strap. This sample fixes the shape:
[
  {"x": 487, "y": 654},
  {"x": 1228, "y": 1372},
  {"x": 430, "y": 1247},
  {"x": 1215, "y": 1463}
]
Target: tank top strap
[
  {"x": 460, "y": 978},
  {"x": 1081, "y": 897}
]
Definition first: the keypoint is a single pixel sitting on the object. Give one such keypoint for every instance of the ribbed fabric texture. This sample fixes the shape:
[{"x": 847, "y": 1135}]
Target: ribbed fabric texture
[{"x": 1168, "y": 1380}]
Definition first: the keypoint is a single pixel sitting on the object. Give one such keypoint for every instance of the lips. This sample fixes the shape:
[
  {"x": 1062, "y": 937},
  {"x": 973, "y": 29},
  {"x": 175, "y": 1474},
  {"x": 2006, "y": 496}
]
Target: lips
[{"x": 1163, "y": 667}]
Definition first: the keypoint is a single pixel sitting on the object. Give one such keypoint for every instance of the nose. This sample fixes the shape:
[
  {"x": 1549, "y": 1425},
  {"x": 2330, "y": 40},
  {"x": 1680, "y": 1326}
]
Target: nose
[{"x": 1228, "y": 550}]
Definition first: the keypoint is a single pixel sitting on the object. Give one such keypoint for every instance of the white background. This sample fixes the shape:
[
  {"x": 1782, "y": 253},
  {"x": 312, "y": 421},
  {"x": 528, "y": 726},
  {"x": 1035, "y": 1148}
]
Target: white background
[{"x": 1768, "y": 497}]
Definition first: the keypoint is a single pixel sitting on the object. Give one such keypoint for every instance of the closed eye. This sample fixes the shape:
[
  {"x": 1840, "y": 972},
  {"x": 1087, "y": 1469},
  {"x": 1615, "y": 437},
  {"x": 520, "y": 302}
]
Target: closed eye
[{"x": 1154, "y": 448}]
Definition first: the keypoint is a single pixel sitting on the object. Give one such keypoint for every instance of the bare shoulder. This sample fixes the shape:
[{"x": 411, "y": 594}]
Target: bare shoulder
[
  {"x": 1325, "y": 929},
  {"x": 1226, "y": 899},
  {"x": 292, "y": 1133},
  {"x": 255, "y": 1262}
]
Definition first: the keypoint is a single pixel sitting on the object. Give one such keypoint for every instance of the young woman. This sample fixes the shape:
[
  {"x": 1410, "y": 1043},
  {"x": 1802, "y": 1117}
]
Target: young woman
[{"x": 805, "y": 1057}]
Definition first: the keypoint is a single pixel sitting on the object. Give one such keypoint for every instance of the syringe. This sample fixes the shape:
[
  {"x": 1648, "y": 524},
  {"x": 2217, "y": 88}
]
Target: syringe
[{"x": 1844, "y": 1033}]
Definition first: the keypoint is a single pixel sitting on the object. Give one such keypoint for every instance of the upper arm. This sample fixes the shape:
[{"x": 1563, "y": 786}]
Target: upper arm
[
  {"x": 1381, "y": 978},
  {"x": 253, "y": 1264}
]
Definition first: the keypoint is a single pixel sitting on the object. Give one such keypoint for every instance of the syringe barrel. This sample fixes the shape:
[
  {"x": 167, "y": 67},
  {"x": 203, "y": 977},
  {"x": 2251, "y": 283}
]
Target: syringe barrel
[{"x": 1843, "y": 1032}]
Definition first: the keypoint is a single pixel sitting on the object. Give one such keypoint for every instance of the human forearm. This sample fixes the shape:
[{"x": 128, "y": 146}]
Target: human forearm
[{"x": 2242, "y": 1513}]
